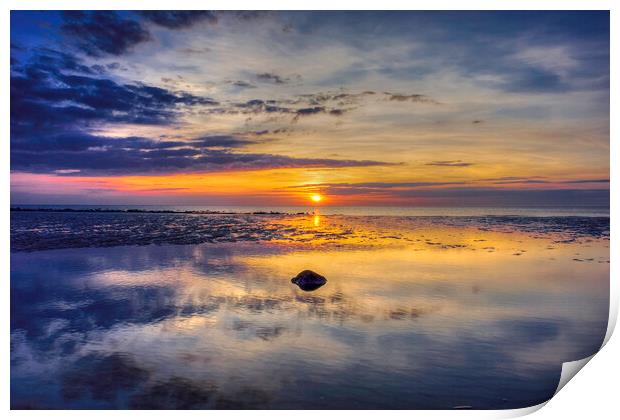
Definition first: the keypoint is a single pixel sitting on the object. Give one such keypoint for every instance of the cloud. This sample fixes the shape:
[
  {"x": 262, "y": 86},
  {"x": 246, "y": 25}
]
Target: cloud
[
  {"x": 99, "y": 33},
  {"x": 83, "y": 154},
  {"x": 54, "y": 90},
  {"x": 272, "y": 78},
  {"x": 540, "y": 180},
  {"x": 302, "y": 105},
  {"x": 178, "y": 19},
  {"x": 305, "y": 112},
  {"x": 587, "y": 181},
  {"x": 241, "y": 84},
  {"x": 342, "y": 98},
  {"x": 510, "y": 178},
  {"x": 377, "y": 188},
  {"x": 453, "y": 163},
  {"x": 528, "y": 80},
  {"x": 221, "y": 141},
  {"x": 246, "y": 15},
  {"x": 510, "y": 197},
  {"x": 522, "y": 181},
  {"x": 415, "y": 97},
  {"x": 382, "y": 185},
  {"x": 310, "y": 111},
  {"x": 274, "y": 106},
  {"x": 56, "y": 100},
  {"x": 453, "y": 194}
]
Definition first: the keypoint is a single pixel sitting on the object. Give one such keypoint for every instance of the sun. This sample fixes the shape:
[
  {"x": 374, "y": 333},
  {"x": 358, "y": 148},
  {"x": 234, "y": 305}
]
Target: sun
[{"x": 316, "y": 198}]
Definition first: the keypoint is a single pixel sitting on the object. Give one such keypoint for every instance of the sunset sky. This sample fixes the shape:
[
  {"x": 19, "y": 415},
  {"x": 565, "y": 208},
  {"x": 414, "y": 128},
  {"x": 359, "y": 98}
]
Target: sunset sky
[{"x": 267, "y": 108}]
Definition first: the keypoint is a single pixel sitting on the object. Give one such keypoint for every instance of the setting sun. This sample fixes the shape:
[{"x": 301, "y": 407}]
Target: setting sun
[{"x": 316, "y": 198}]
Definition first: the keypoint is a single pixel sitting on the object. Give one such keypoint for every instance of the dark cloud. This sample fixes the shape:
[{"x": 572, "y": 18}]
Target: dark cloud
[
  {"x": 354, "y": 99},
  {"x": 221, "y": 141},
  {"x": 369, "y": 187},
  {"x": 587, "y": 181},
  {"x": 78, "y": 153},
  {"x": 259, "y": 133},
  {"x": 531, "y": 80},
  {"x": 270, "y": 106},
  {"x": 342, "y": 98},
  {"x": 522, "y": 181},
  {"x": 310, "y": 111},
  {"x": 451, "y": 194},
  {"x": 195, "y": 50},
  {"x": 302, "y": 105},
  {"x": 304, "y": 112},
  {"x": 54, "y": 90},
  {"x": 256, "y": 106},
  {"x": 399, "y": 97},
  {"x": 272, "y": 78},
  {"x": 178, "y": 19},
  {"x": 99, "y": 33},
  {"x": 247, "y": 15},
  {"x": 56, "y": 101},
  {"x": 540, "y": 180},
  {"x": 510, "y": 178},
  {"x": 510, "y": 197},
  {"x": 50, "y": 61},
  {"x": 455, "y": 163},
  {"x": 242, "y": 84}
]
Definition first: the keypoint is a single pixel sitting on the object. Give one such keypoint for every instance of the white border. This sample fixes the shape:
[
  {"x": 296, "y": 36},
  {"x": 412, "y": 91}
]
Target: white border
[{"x": 593, "y": 395}]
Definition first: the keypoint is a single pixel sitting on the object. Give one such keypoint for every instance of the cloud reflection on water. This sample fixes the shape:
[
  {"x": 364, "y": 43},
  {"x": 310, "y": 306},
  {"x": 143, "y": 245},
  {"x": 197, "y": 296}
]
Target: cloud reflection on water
[{"x": 221, "y": 326}]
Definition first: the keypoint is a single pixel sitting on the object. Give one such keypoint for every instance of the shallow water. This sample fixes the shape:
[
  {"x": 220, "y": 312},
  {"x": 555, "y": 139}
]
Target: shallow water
[
  {"x": 416, "y": 313},
  {"x": 581, "y": 211}
]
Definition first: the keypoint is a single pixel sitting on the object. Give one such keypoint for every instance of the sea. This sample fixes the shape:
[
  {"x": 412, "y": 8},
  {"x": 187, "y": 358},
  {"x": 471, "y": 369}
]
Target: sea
[
  {"x": 585, "y": 211},
  {"x": 177, "y": 307}
]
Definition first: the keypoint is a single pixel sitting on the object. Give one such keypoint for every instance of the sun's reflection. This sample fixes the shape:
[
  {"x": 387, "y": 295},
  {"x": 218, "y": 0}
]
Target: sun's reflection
[{"x": 316, "y": 219}]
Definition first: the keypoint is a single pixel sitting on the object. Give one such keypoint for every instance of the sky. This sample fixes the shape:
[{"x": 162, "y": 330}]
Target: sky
[{"x": 269, "y": 108}]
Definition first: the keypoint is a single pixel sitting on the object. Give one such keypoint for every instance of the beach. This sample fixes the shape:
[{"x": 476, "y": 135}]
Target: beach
[{"x": 151, "y": 310}]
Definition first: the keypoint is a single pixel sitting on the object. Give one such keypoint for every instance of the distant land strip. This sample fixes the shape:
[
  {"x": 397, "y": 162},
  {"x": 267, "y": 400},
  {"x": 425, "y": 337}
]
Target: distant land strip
[{"x": 100, "y": 210}]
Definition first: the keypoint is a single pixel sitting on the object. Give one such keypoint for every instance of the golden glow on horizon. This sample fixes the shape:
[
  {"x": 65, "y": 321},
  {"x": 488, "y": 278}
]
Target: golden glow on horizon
[{"x": 285, "y": 186}]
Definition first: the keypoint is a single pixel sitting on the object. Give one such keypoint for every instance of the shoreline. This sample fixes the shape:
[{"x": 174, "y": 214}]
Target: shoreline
[
  {"x": 55, "y": 228},
  {"x": 283, "y": 213},
  {"x": 100, "y": 210}
]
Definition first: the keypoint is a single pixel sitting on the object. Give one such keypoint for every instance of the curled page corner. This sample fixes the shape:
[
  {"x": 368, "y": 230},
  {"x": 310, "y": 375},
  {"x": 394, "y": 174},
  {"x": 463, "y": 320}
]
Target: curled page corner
[
  {"x": 613, "y": 314},
  {"x": 570, "y": 369},
  {"x": 521, "y": 412}
]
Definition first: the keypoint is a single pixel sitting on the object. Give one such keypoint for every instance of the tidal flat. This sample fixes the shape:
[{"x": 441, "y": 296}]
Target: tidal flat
[{"x": 156, "y": 311}]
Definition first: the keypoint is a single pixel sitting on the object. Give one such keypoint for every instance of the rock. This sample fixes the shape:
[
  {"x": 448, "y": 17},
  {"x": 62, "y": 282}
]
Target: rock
[{"x": 308, "y": 280}]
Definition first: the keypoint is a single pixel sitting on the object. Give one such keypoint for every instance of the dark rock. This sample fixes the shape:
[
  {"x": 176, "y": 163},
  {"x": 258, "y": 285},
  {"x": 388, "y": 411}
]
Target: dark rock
[{"x": 308, "y": 280}]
